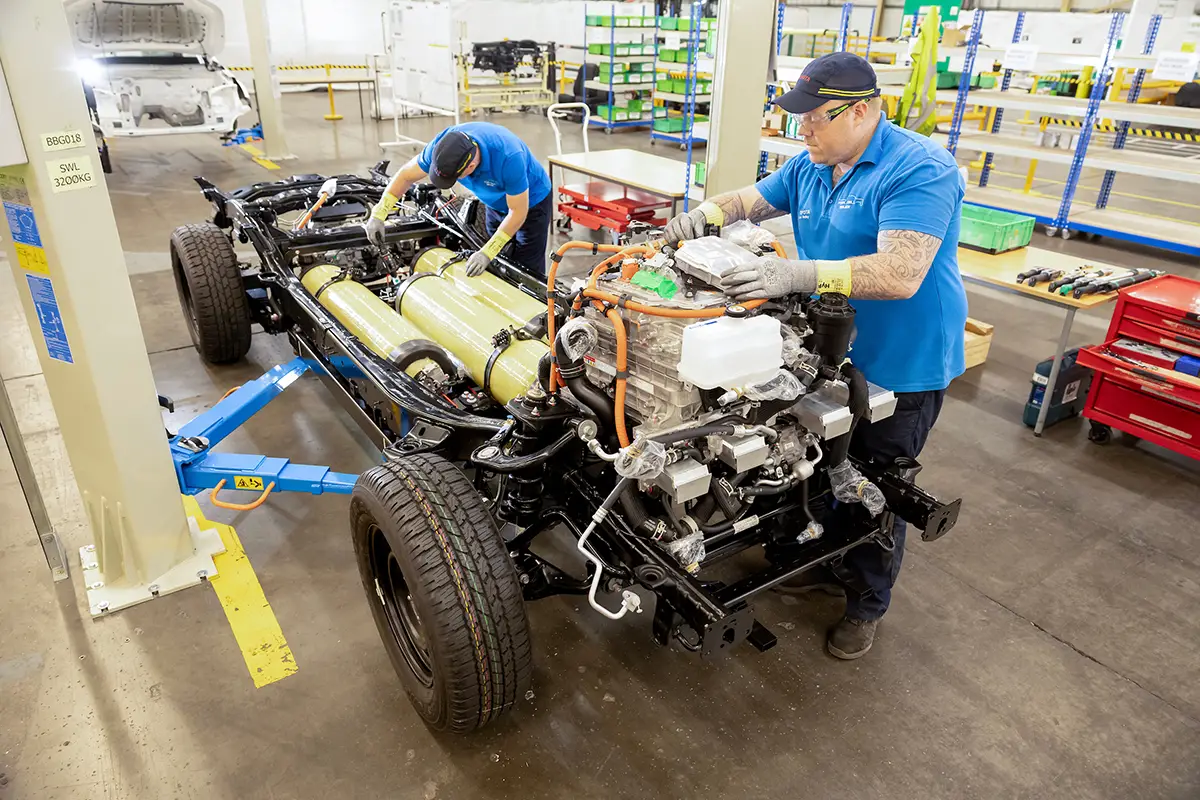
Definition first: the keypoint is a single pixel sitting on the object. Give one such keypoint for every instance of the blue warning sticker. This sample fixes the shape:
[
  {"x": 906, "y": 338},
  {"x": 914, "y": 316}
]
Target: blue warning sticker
[
  {"x": 22, "y": 224},
  {"x": 50, "y": 318}
]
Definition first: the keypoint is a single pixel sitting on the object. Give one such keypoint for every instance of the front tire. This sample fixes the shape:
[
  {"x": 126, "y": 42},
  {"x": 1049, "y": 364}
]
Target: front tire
[
  {"x": 443, "y": 592},
  {"x": 211, "y": 292}
]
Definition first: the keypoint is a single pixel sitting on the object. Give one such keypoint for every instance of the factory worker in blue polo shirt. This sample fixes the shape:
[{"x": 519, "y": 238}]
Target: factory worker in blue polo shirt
[
  {"x": 875, "y": 209},
  {"x": 501, "y": 171}
]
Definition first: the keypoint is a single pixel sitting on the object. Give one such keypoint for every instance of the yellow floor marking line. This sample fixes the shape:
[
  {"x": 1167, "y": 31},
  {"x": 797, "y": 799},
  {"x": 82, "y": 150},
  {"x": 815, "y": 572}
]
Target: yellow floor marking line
[
  {"x": 257, "y": 631},
  {"x": 258, "y": 156},
  {"x": 1115, "y": 193}
]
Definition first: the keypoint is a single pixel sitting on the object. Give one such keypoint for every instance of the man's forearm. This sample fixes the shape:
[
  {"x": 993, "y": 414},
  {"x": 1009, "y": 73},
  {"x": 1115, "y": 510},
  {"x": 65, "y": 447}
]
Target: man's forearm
[
  {"x": 512, "y": 223},
  {"x": 748, "y": 204},
  {"x": 897, "y": 270}
]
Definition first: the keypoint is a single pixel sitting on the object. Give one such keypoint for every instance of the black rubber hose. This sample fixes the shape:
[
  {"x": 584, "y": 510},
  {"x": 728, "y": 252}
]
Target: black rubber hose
[
  {"x": 761, "y": 491},
  {"x": 543, "y": 375},
  {"x": 637, "y": 516},
  {"x": 729, "y": 506},
  {"x": 572, "y": 372},
  {"x": 859, "y": 403}
]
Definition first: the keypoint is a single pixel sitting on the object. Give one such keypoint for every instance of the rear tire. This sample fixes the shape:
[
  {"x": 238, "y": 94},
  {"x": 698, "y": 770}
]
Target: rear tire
[
  {"x": 443, "y": 592},
  {"x": 211, "y": 292}
]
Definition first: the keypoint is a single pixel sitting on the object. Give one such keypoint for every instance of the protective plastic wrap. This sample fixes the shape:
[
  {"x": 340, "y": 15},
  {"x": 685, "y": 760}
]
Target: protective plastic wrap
[
  {"x": 745, "y": 233},
  {"x": 849, "y": 486},
  {"x": 579, "y": 337},
  {"x": 688, "y": 551},
  {"x": 814, "y": 530},
  {"x": 642, "y": 460},
  {"x": 784, "y": 386}
]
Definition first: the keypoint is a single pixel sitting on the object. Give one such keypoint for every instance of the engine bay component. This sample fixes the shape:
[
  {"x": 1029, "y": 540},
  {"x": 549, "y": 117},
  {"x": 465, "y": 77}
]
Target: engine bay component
[{"x": 643, "y": 412}]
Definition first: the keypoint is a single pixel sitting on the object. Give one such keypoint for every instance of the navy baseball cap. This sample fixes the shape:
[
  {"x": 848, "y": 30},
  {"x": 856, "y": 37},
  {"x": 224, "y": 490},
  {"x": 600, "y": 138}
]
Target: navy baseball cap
[
  {"x": 451, "y": 156},
  {"x": 837, "y": 76}
]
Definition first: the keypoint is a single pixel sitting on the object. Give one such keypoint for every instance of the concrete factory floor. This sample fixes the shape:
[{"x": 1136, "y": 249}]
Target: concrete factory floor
[{"x": 1049, "y": 647}]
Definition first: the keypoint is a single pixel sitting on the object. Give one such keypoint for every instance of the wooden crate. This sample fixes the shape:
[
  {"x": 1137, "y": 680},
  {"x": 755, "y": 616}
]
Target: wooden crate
[{"x": 979, "y": 341}]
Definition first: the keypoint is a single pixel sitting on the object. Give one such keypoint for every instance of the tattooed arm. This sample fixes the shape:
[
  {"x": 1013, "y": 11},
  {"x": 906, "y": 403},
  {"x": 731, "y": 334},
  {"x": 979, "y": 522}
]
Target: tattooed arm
[
  {"x": 897, "y": 270},
  {"x": 721, "y": 210},
  {"x": 746, "y": 203}
]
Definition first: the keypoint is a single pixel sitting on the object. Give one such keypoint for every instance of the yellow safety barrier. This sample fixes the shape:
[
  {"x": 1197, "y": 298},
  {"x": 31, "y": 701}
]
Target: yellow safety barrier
[
  {"x": 1110, "y": 128},
  {"x": 333, "y": 115}
]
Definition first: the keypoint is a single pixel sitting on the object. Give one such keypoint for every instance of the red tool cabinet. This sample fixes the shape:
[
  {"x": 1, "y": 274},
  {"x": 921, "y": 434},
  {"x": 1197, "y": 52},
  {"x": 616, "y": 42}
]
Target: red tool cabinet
[
  {"x": 1148, "y": 400},
  {"x": 599, "y": 205}
]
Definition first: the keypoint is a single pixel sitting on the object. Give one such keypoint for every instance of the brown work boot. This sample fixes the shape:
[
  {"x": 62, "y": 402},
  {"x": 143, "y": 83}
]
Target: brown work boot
[
  {"x": 851, "y": 638},
  {"x": 817, "y": 579}
]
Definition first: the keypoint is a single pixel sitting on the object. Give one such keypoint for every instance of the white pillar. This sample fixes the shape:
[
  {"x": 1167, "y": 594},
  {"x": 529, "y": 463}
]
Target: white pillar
[
  {"x": 69, "y": 267},
  {"x": 266, "y": 88},
  {"x": 743, "y": 53}
]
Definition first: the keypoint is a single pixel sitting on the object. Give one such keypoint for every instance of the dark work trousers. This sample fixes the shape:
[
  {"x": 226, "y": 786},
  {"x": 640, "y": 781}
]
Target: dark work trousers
[
  {"x": 528, "y": 248},
  {"x": 902, "y": 434}
]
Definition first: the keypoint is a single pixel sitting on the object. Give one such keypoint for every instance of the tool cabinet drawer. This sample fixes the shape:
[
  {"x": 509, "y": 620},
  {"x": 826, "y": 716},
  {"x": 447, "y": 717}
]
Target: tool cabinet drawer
[
  {"x": 1157, "y": 381},
  {"x": 1137, "y": 411},
  {"x": 1181, "y": 342}
]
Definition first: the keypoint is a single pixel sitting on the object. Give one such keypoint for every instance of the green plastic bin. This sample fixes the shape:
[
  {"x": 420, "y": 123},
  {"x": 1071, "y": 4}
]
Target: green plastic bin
[
  {"x": 665, "y": 23},
  {"x": 994, "y": 231},
  {"x": 949, "y": 80},
  {"x": 612, "y": 113},
  {"x": 668, "y": 125}
]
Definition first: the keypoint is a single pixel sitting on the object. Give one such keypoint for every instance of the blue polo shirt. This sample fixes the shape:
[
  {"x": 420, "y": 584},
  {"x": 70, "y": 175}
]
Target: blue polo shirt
[
  {"x": 506, "y": 166},
  {"x": 903, "y": 181}
]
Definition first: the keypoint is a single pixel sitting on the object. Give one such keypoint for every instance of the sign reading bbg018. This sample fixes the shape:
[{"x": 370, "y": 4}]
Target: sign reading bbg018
[{"x": 70, "y": 174}]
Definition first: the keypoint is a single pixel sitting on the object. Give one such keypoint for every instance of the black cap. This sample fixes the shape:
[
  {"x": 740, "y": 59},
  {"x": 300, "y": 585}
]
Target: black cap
[
  {"x": 451, "y": 156},
  {"x": 837, "y": 76}
]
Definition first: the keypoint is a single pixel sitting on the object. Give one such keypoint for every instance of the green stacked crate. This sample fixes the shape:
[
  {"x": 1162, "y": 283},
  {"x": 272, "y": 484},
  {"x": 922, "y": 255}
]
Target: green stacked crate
[
  {"x": 635, "y": 105},
  {"x": 708, "y": 24},
  {"x": 594, "y": 20},
  {"x": 612, "y": 113},
  {"x": 668, "y": 125},
  {"x": 660, "y": 112},
  {"x": 703, "y": 87},
  {"x": 666, "y": 23},
  {"x": 613, "y": 66},
  {"x": 622, "y": 22}
]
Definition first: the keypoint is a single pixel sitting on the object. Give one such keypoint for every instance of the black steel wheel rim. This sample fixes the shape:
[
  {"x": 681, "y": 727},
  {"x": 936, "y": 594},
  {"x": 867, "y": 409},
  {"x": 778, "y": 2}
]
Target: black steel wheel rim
[{"x": 395, "y": 599}]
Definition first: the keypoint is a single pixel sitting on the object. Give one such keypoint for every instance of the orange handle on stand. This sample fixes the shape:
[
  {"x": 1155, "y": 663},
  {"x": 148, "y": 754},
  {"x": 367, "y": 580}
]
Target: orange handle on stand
[{"x": 262, "y": 498}]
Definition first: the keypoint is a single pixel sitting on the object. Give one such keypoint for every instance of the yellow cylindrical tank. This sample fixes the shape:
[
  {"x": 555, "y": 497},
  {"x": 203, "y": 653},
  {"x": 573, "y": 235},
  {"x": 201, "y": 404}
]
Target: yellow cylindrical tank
[
  {"x": 465, "y": 325},
  {"x": 374, "y": 322},
  {"x": 489, "y": 289}
]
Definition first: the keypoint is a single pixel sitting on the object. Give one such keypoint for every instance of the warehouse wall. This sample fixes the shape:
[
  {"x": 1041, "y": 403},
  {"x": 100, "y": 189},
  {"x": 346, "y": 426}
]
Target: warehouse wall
[{"x": 319, "y": 31}]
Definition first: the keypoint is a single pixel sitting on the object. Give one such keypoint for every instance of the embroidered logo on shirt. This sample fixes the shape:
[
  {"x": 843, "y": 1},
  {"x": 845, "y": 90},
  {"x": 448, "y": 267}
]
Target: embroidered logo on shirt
[
  {"x": 804, "y": 213},
  {"x": 849, "y": 201},
  {"x": 492, "y": 184}
]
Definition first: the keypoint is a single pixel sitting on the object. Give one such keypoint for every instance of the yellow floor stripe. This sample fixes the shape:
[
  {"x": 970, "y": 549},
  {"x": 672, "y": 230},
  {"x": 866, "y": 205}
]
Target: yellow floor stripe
[
  {"x": 259, "y": 156},
  {"x": 257, "y": 631}
]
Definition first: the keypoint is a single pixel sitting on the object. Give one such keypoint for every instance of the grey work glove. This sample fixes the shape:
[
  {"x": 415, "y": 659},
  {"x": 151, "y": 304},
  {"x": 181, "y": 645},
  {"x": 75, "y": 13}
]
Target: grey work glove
[
  {"x": 477, "y": 264},
  {"x": 374, "y": 228},
  {"x": 770, "y": 276},
  {"x": 686, "y": 226}
]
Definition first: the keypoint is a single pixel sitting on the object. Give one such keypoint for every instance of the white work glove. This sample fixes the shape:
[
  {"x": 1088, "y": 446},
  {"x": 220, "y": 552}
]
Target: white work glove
[
  {"x": 770, "y": 276},
  {"x": 375, "y": 223},
  {"x": 686, "y": 226},
  {"x": 691, "y": 225},
  {"x": 374, "y": 228},
  {"x": 477, "y": 264}
]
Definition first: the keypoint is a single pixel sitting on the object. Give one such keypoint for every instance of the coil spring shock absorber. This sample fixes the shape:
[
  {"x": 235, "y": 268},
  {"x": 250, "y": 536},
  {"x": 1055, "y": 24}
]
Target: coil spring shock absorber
[{"x": 523, "y": 491}]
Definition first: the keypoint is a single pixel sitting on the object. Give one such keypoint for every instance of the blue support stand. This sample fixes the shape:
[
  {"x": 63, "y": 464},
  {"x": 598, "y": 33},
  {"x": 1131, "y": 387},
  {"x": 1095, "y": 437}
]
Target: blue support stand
[
  {"x": 762, "y": 156},
  {"x": 689, "y": 103},
  {"x": 1135, "y": 91},
  {"x": 198, "y": 468},
  {"x": 1005, "y": 83},
  {"x": 1089, "y": 122},
  {"x": 870, "y": 34},
  {"x": 844, "y": 29},
  {"x": 964, "y": 82}
]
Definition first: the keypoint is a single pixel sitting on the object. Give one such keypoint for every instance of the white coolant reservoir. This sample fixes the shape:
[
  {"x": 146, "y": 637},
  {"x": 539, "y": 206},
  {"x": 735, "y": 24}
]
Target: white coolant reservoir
[{"x": 731, "y": 353}]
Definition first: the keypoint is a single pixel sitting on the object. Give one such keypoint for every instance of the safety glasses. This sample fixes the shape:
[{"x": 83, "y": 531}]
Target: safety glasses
[{"x": 815, "y": 120}]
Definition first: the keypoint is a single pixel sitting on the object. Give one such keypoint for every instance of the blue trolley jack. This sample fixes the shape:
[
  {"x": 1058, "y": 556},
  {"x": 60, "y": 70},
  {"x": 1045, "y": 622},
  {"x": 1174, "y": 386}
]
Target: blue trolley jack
[{"x": 199, "y": 469}]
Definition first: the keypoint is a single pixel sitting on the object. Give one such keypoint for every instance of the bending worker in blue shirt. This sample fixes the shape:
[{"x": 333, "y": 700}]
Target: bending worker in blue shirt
[
  {"x": 875, "y": 210},
  {"x": 499, "y": 169}
]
